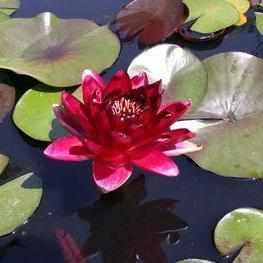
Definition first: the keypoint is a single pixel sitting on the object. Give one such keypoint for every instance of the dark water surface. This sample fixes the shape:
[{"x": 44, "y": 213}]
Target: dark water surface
[{"x": 146, "y": 220}]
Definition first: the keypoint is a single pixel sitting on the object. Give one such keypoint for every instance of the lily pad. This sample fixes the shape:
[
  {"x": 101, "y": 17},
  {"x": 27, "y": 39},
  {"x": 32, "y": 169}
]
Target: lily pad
[
  {"x": 178, "y": 69},
  {"x": 232, "y": 142},
  {"x": 241, "y": 229},
  {"x": 194, "y": 261},
  {"x": 8, "y": 7},
  {"x": 211, "y": 15},
  {"x": 34, "y": 115},
  {"x": 4, "y": 160},
  {"x": 56, "y": 51},
  {"x": 259, "y": 22},
  {"x": 18, "y": 201},
  {"x": 7, "y": 100},
  {"x": 139, "y": 18}
]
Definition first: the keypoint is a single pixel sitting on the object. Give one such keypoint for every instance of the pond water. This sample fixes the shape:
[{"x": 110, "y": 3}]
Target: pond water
[{"x": 135, "y": 224}]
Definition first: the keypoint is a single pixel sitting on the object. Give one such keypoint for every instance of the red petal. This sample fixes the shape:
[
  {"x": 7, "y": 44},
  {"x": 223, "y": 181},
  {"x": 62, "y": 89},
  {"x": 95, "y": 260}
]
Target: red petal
[
  {"x": 109, "y": 178},
  {"x": 74, "y": 111},
  {"x": 92, "y": 87},
  {"x": 68, "y": 148},
  {"x": 157, "y": 162},
  {"x": 153, "y": 95},
  {"x": 119, "y": 84},
  {"x": 183, "y": 148},
  {"x": 169, "y": 114},
  {"x": 139, "y": 81},
  {"x": 180, "y": 135}
]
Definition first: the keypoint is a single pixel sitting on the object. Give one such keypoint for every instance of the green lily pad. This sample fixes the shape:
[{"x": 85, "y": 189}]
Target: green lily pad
[
  {"x": 4, "y": 160},
  {"x": 7, "y": 100},
  {"x": 232, "y": 143},
  {"x": 178, "y": 69},
  {"x": 56, "y": 51},
  {"x": 241, "y": 229},
  {"x": 194, "y": 261},
  {"x": 8, "y": 7},
  {"x": 211, "y": 15},
  {"x": 259, "y": 22},
  {"x": 34, "y": 115},
  {"x": 19, "y": 199}
]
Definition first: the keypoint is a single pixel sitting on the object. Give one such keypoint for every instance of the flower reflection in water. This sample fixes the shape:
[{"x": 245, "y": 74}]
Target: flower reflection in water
[{"x": 124, "y": 228}]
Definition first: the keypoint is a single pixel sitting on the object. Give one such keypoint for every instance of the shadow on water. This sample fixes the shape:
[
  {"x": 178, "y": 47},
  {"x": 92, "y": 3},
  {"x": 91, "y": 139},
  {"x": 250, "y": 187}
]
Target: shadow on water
[{"x": 124, "y": 228}]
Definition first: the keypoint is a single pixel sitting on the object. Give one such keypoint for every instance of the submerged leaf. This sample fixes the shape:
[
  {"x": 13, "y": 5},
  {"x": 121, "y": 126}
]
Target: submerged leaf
[
  {"x": 241, "y": 229},
  {"x": 7, "y": 100},
  {"x": 56, "y": 51},
  {"x": 19, "y": 199},
  {"x": 152, "y": 20}
]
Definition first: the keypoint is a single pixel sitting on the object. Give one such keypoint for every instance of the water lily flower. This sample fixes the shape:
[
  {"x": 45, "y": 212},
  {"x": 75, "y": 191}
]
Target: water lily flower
[{"x": 120, "y": 125}]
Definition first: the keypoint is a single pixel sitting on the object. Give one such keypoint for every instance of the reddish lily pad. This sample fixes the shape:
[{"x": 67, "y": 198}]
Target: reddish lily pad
[
  {"x": 19, "y": 199},
  {"x": 56, "y": 51},
  {"x": 151, "y": 20},
  {"x": 7, "y": 100},
  {"x": 232, "y": 140},
  {"x": 212, "y": 15},
  {"x": 183, "y": 75},
  {"x": 241, "y": 229}
]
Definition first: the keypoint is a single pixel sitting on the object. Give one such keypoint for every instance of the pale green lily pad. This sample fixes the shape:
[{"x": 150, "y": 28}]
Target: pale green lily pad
[
  {"x": 178, "y": 69},
  {"x": 19, "y": 199},
  {"x": 8, "y": 7},
  {"x": 259, "y": 22},
  {"x": 232, "y": 143},
  {"x": 56, "y": 51},
  {"x": 194, "y": 261},
  {"x": 7, "y": 100},
  {"x": 211, "y": 15},
  {"x": 34, "y": 114},
  {"x": 4, "y": 160},
  {"x": 241, "y": 229}
]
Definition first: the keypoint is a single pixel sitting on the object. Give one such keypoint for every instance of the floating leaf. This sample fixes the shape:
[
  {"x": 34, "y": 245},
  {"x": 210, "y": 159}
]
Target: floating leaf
[
  {"x": 34, "y": 115},
  {"x": 233, "y": 144},
  {"x": 7, "y": 100},
  {"x": 8, "y": 7},
  {"x": 18, "y": 201},
  {"x": 152, "y": 20},
  {"x": 259, "y": 22},
  {"x": 56, "y": 51},
  {"x": 241, "y": 229},
  {"x": 194, "y": 261},
  {"x": 212, "y": 15},
  {"x": 242, "y": 6},
  {"x": 4, "y": 160},
  {"x": 183, "y": 75}
]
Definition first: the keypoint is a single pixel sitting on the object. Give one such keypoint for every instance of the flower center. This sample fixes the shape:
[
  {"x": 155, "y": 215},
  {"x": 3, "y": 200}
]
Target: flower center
[{"x": 125, "y": 108}]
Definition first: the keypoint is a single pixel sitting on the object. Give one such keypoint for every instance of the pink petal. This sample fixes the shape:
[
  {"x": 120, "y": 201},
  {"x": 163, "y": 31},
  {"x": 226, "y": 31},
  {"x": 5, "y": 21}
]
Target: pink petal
[
  {"x": 68, "y": 148},
  {"x": 180, "y": 135},
  {"x": 157, "y": 162},
  {"x": 119, "y": 84},
  {"x": 92, "y": 86},
  {"x": 183, "y": 148},
  {"x": 139, "y": 81},
  {"x": 109, "y": 178}
]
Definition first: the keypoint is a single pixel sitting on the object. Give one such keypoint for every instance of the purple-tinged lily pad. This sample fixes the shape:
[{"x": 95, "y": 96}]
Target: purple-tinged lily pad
[
  {"x": 241, "y": 230},
  {"x": 7, "y": 100},
  {"x": 56, "y": 51}
]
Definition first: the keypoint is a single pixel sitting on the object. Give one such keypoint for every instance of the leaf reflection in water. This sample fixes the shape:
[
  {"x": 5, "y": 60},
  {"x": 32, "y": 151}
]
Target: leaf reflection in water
[{"x": 124, "y": 228}]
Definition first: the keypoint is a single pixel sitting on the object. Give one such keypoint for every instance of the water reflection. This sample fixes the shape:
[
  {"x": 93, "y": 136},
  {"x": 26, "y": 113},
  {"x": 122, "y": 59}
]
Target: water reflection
[{"x": 124, "y": 228}]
